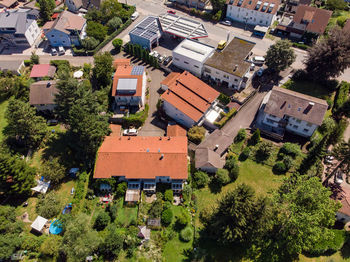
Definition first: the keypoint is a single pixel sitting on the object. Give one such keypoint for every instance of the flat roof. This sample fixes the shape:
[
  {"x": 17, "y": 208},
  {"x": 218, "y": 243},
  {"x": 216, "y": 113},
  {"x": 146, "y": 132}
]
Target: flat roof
[
  {"x": 182, "y": 27},
  {"x": 232, "y": 59},
  {"x": 194, "y": 49}
]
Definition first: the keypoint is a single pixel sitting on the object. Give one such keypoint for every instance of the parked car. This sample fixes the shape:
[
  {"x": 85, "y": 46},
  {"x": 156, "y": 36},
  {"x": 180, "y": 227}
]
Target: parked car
[
  {"x": 161, "y": 58},
  {"x": 226, "y": 22},
  {"x": 52, "y": 122},
  {"x": 329, "y": 159},
  {"x": 338, "y": 178},
  {"x": 258, "y": 60},
  {"x": 61, "y": 50},
  {"x": 134, "y": 16},
  {"x": 53, "y": 51},
  {"x": 167, "y": 60},
  {"x": 171, "y": 12},
  {"x": 130, "y": 132}
]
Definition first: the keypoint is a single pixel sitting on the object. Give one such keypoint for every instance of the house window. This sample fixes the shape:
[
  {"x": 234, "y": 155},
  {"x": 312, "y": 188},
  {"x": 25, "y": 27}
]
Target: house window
[
  {"x": 260, "y": 21},
  {"x": 306, "y": 130},
  {"x": 63, "y": 41},
  {"x": 217, "y": 72},
  {"x": 299, "y": 109},
  {"x": 269, "y": 120},
  {"x": 295, "y": 127},
  {"x": 52, "y": 35},
  {"x": 236, "y": 79},
  {"x": 207, "y": 70}
]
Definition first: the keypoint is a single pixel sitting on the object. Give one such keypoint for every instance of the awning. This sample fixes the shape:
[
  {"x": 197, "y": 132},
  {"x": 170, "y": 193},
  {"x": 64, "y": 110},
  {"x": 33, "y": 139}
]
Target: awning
[{"x": 42, "y": 186}]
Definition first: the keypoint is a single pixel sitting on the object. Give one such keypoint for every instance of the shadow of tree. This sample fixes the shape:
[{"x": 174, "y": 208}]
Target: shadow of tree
[{"x": 214, "y": 187}]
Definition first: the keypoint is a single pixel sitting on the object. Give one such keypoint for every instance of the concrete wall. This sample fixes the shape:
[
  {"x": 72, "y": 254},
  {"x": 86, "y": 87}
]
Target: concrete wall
[
  {"x": 248, "y": 16},
  {"x": 234, "y": 82},
  {"x": 32, "y": 33},
  {"x": 177, "y": 115},
  {"x": 186, "y": 63}
]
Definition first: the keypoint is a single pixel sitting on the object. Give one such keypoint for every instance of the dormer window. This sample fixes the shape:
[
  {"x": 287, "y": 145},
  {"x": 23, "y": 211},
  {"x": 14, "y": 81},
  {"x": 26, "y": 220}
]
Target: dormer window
[
  {"x": 270, "y": 8},
  {"x": 263, "y": 9},
  {"x": 240, "y": 2},
  {"x": 258, "y": 4}
]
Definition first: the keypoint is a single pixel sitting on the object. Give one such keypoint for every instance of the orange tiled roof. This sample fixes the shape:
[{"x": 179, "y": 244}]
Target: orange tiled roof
[
  {"x": 116, "y": 129},
  {"x": 175, "y": 130},
  {"x": 141, "y": 157},
  {"x": 190, "y": 95},
  {"x": 124, "y": 71},
  {"x": 170, "y": 78},
  {"x": 121, "y": 62}
]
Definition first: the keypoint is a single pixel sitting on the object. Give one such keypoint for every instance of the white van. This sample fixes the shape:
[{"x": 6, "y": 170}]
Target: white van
[
  {"x": 134, "y": 16},
  {"x": 259, "y": 60}
]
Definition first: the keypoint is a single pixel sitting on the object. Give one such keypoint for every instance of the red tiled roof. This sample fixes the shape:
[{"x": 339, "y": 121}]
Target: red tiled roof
[
  {"x": 175, "y": 130},
  {"x": 251, "y": 4},
  {"x": 43, "y": 70},
  {"x": 317, "y": 18},
  {"x": 189, "y": 94},
  {"x": 142, "y": 157},
  {"x": 121, "y": 62},
  {"x": 116, "y": 129},
  {"x": 170, "y": 78}
]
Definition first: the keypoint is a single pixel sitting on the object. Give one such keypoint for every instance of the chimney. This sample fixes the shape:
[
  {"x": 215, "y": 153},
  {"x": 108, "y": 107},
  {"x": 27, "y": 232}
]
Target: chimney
[
  {"x": 168, "y": 137},
  {"x": 129, "y": 137},
  {"x": 161, "y": 157},
  {"x": 216, "y": 147},
  {"x": 160, "y": 138},
  {"x": 147, "y": 150},
  {"x": 158, "y": 150}
]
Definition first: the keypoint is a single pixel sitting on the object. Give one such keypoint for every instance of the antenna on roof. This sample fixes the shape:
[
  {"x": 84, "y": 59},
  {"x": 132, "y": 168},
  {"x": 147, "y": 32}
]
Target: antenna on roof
[{"x": 168, "y": 137}]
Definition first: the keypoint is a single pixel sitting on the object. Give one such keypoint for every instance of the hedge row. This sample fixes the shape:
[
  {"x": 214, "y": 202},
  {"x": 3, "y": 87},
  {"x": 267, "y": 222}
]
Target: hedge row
[
  {"x": 300, "y": 46},
  {"x": 83, "y": 52},
  {"x": 226, "y": 118},
  {"x": 342, "y": 95},
  {"x": 137, "y": 119}
]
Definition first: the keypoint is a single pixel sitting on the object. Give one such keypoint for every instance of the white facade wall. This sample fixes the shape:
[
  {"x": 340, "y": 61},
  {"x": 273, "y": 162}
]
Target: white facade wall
[
  {"x": 144, "y": 87},
  {"x": 177, "y": 115},
  {"x": 186, "y": 63},
  {"x": 234, "y": 82},
  {"x": 32, "y": 33},
  {"x": 251, "y": 17}
]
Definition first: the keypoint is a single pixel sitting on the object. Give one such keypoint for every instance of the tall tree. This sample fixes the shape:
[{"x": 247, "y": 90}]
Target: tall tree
[
  {"x": 24, "y": 125},
  {"x": 280, "y": 55},
  {"x": 217, "y": 5},
  {"x": 52, "y": 170},
  {"x": 103, "y": 69},
  {"x": 330, "y": 56},
  {"x": 46, "y": 9}
]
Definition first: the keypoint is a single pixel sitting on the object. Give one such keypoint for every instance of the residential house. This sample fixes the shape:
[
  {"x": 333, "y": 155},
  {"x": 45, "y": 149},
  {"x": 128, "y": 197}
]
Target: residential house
[
  {"x": 42, "y": 70},
  {"x": 285, "y": 110},
  {"x": 82, "y": 6},
  {"x": 292, "y": 5},
  {"x": 146, "y": 33},
  {"x": 144, "y": 161},
  {"x": 307, "y": 19},
  {"x": 253, "y": 12},
  {"x": 67, "y": 30},
  {"x": 341, "y": 193},
  {"x": 11, "y": 66},
  {"x": 8, "y": 3},
  {"x": 42, "y": 95},
  {"x": 230, "y": 67},
  {"x": 18, "y": 28},
  {"x": 189, "y": 101},
  {"x": 208, "y": 160},
  {"x": 129, "y": 85},
  {"x": 190, "y": 55}
]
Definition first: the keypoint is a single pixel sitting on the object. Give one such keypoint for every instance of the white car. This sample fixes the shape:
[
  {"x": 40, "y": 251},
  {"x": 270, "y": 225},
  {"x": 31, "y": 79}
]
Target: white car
[
  {"x": 53, "y": 51},
  {"x": 258, "y": 60},
  {"x": 61, "y": 50},
  {"x": 338, "y": 178},
  {"x": 134, "y": 16},
  {"x": 226, "y": 22},
  {"x": 130, "y": 132},
  {"x": 161, "y": 58},
  {"x": 329, "y": 159}
]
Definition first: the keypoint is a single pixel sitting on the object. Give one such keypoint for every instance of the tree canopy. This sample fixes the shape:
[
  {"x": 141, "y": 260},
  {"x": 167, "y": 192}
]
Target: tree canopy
[
  {"x": 103, "y": 69},
  {"x": 280, "y": 55},
  {"x": 46, "y": 9}
]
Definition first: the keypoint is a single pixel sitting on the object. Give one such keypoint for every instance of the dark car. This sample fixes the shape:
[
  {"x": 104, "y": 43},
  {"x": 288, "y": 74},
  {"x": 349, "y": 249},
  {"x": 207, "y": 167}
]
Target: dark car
[{"x": 167, "y": 60}]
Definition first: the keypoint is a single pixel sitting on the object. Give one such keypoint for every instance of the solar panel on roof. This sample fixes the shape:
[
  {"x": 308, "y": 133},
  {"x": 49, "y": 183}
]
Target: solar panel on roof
[{"x": 137, "y": 70}]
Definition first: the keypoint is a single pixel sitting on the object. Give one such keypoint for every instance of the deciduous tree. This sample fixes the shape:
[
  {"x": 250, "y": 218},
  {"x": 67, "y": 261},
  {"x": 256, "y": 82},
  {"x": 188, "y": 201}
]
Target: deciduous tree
[
  {"x": 280, "y": 55},
  {"x": 103, "y": 69},
  {"x": 46, "y": 9}
]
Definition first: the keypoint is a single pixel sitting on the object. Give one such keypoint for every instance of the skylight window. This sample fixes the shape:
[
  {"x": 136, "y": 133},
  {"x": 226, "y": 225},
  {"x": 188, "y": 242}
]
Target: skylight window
[{"x": 258, "y": 4}]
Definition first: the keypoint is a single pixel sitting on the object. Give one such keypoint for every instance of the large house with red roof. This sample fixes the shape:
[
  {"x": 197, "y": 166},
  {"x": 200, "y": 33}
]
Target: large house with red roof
[
  {"x": 144, "y": 161},
  {"x": 129, "y": 85},
  {"x": 189, "y": 101}
]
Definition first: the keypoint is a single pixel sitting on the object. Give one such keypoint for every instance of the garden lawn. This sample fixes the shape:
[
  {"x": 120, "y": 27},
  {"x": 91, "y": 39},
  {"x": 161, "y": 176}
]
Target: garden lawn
[
  {"x": 336, "y": 257},
  {"x": 308, "y": 88},
  {"x": 3, "y": 121},
  {"x": 125, "y": 215}
]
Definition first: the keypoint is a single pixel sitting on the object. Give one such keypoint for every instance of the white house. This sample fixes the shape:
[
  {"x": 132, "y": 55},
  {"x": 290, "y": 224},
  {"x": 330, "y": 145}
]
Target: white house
[
  {"x": 252, "y": 12},
  {"x": 129, "y": 85},
  {"x": 285, "y": 110},
  {"x": 18, "y": 28},
  {"x": 190, "y": 55},
  {"x": 230, "y": 67},
  {"x": 76, "y": 6},
  {"x": 66, "y": 30},
  {"x": 42, "y": 95}
]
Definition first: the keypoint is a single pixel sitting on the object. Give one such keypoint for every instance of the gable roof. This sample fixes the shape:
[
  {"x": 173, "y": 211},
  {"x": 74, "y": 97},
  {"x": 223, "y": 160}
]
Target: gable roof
[
  {"x": 256, "y": 5},
  {"x": 303, "y": 107},
  {"x": 234, "y": 54},
  {"x": 190, "y": 95},
  {"x": 206, "y": 157},
  {"x": 175, "y": 130},
  {"x": 43, "y": 70},
  {"x": 41, "y": 93},
  {"x": 317, "y": 18},
  {"x": 68, "y": 21},
  {"x": 142, "y": 157},
  {"x": 19, "y": 19}
]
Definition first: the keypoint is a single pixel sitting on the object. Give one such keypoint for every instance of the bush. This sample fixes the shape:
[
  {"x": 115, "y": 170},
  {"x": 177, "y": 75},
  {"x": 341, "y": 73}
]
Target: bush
[
  {"x": 217, "y": 16},
  {"x": 34, "y": 58},
  {"x": 226, "y": 118},
  {"x": 183, "y": 219},
  {"x": 288, "y": 162},
  {"x": 96, "y": 30},
  {"x": 48, "y": 206},
  {"x": 200, "y": 179},
  {"x": 245, "y": 154},
  {"x": 232, "y": 166},
  {"x": 117, "y": 43},
  {"x": 156, "y": 208},
  {"x": 121, "y": 189},
  {"x": 279, "y": 168},
  {"x": 327, "y": 126},
  {"x": 169, "y": 195},
  {"x": 186, "y": 234},
  {"x": 167, "y": 217},
  {"x": 89, "y": 43},
  {"x": 241, "y": 135},
  {"x": 264, "y": 151},
  {"x": 331, "y": 245},
  {"x": 341, "y": 21},
  {"x": 290, "y": 149},
  {"x": 137, "y": 119},
  {"x": 256, "y": 138},
  {"x": 27, "y": 62},
  {"x": 341, "y": 95},
  {"x": 300, "y": 46},
  {"x": 222, "y": 177},
  {"x": 60, "y": 63},
  {"x": 114, "y": 24},
  {"x": 102, "y": 220},
  {"x": 224, "y": 99},
  {"x": 196, "y": 134}
]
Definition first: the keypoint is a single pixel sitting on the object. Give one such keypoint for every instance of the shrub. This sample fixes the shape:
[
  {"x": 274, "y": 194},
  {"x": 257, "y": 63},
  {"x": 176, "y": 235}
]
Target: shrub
[
  {"x": 183, "y": 219},
  {"x": 114, "y": 24},
  {"x": 167, "y": 217},
  {"x": 96, "y": 30},
  {"x": 226, "y": 118},
  {"x": 217, "y": 16},
  {"x": 137, "y": 119},
  {"x": 245, "y": 154},
  {"x": 196, "y": 134},
  {"x": 341, "y": 95},
  {"x": 117, "y": 43},
  {"x": 156, "y": 208},
  {"x": 27, "y": 62},
  {"x": 102, "y": 220},
  {"x": 327, "y": 126},
  {"x": 330, "y": 245},
  {"x": 34, "y": 58},
  {"x": 48, "y": 206},
  {"x": 279, "y": 168},
  {"x": 169, "y": 196},
  {"x": 224, "y": 99},
  {"x": 222, "y": 177},
  {"x": 300, "y": 46},
  {"x": 288, "y": 162},
  {"x": 201, "y": 179},
  {"x": 60, "y": 63},
  {"x": 186, "y": 234},
  {"x": 89, "y": 43},
  {"x": 341, "y": 21},
  {"x": 264, "y": 151},
  {"x": 121, "y": 189},
  {"x": 255, "y": 137},
  {"x": 240, "y": 136},
  {"x": 290, "y": 149}
]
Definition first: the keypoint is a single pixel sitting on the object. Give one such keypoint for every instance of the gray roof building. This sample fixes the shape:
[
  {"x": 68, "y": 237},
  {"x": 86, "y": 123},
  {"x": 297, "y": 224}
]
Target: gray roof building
[
  {"x": 43, "y": 93},
  {"x": 207, "y": 159},
  {"x": 12, "y": 66},
  {"x": 16, "y": 21}
]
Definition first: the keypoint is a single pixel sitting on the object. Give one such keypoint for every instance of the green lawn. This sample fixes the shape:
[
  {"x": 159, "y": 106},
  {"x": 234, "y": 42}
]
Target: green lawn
[
  {"x": 125, "y": 215},
  {"x": 307, "y": 88},
  {"x": 3, "y": 121},
  {"x": 333, "y": 20}
]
